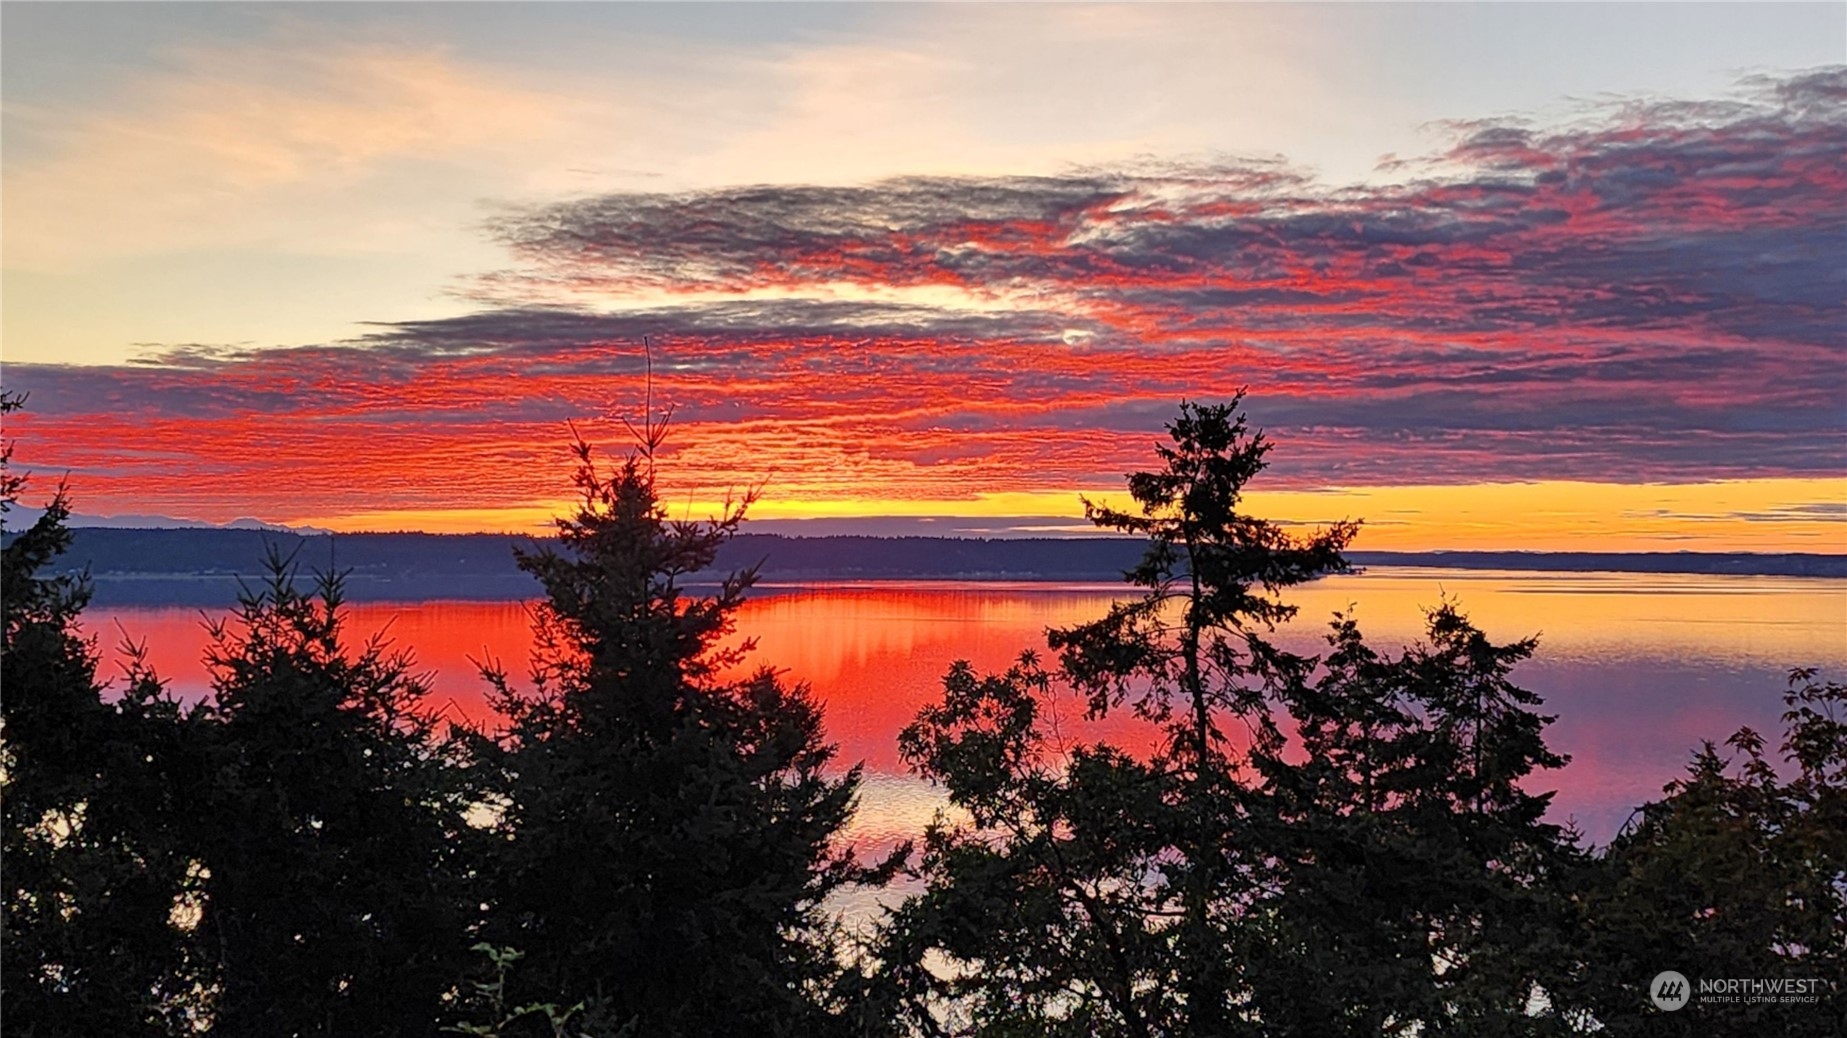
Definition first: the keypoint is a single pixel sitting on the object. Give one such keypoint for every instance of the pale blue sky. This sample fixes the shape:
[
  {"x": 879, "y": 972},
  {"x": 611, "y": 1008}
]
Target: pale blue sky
[{"x": 279, "y": 173}]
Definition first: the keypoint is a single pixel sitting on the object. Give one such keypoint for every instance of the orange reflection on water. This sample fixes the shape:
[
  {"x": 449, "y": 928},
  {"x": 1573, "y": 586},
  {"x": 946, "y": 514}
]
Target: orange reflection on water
[
  {"x": 444, "y": 639},
  {"x": 875, "y": 654},
  {"x": 1638, "y": 668}
]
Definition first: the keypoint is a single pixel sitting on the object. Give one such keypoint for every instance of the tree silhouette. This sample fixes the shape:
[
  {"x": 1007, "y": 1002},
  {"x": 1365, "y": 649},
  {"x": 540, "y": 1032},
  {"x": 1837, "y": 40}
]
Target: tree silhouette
[
  {"x": 1363, "y": 861},
  {"x": 89, "y": 866},
  {"x": 1044, "y": 910},
  {"x": 1342, "y": 845},
  {"x": 1195, "y": 639},
  {"x": 1414, "y": 882},
  {"x": 1140, "y": 873},
  {"x": 1737, "y": 872},
  {"x": 333, "y": 886},
  {"x": 666, "y": 819}
]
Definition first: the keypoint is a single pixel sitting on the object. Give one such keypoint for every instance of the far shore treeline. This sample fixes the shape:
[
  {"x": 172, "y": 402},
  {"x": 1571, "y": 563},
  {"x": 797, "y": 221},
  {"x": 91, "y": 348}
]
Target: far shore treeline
[
  {"x": 201, "y": 566},
  {"x": 654, "y": 842}
]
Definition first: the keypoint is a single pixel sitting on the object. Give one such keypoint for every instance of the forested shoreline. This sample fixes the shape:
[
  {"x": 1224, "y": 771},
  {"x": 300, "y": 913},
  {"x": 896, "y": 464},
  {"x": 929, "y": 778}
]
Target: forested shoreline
[
  {"x": 203, "y": 567},
  {"x": 1349, "y": 843}
]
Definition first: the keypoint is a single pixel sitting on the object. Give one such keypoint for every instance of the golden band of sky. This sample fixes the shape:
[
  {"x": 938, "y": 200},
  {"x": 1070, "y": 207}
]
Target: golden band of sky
[{"x": 1764, "y": 515}]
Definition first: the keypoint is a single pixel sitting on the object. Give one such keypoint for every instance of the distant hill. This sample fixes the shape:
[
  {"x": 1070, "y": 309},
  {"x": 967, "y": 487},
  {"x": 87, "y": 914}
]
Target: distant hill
[
  {"x": 203, "y": 566},
  {"x": 21, "y": 516}
]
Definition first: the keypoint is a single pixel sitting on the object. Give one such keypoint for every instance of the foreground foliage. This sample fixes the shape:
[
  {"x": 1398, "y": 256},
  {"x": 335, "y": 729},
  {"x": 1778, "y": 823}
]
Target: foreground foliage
[
  {"x": 90, "y": 861},
  {"x": 1343, "y": 845},
  {"x": 666, "y": 829},
  {"x": 1381, "y": 871},
  {"x": 330, "y": 860},
  {"x": 1736, "y": 872},
  {"x": 285, "y": 858}
]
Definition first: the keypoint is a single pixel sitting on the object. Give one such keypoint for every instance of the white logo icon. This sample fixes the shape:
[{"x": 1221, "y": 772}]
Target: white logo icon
[{"x": 1668, "y": 991}]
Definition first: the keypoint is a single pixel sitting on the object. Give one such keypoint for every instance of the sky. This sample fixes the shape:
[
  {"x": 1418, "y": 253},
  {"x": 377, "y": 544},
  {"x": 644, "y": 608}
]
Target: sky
[{"x": 1495, "y": 276}]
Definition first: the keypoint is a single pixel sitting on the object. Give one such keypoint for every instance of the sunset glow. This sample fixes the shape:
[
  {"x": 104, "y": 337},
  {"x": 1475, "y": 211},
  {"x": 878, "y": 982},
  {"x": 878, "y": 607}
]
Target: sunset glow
[
  {"x": 1610, "y": 324},
  {"x": 1733, "y": 515}
]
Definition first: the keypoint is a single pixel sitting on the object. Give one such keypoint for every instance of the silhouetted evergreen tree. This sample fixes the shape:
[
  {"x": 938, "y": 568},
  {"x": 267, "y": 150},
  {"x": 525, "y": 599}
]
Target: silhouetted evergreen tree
[
  {"x": 332, "y": 886},
  {"x": 1342, "y": 845},
  {"x": 1375, "y": 869},
  {"x": 1195, "y": 641},
  {"x": 1414, "y": 881},
  {"x": 666, "y": 821},
  {"x": 1047, "y": 907},
  {"x": 1139, "y": 874},
  {"x": 89, "y": 865},
  {"x": 1736, "y": 873}
]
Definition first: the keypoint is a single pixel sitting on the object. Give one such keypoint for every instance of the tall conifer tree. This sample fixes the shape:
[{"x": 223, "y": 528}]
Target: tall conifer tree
[
  {"x": 667, "y": 817},
  {"x": 1330, "y": 846}
]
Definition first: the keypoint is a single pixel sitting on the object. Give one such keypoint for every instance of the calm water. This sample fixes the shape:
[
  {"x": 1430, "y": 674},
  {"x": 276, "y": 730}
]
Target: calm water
[{"x": 1638, "y": 667}]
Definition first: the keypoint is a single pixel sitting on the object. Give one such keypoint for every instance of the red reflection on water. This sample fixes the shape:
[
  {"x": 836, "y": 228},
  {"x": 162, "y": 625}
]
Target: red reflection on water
[
  {"x": 443, "y": 637},
  {"x": 876, "y": 655},
  {"x": 1637, "y": 671},
  {"x": 873, "y": 655}
]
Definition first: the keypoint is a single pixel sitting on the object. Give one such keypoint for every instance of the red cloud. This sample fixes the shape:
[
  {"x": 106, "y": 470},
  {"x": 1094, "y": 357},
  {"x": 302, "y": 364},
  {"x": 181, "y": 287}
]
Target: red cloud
[{"x": 1654, "y": 295}]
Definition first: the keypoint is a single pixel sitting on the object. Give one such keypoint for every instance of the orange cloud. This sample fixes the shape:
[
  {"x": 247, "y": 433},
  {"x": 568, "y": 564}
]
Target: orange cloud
[{"x": 1530, "y": 344}]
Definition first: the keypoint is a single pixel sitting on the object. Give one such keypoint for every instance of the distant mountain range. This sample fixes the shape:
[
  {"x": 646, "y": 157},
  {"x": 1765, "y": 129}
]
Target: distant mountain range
[
  {"x": 21, "y": 516},
  {"x": 202, "y": 566}
]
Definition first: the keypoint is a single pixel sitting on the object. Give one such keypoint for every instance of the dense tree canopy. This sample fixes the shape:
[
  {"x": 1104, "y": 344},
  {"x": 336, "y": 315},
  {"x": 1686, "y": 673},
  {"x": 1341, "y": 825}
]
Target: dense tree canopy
[
  {"x": 332, "y": 881},
  {"x": 1737, "y": 872},
  {"x": 1414, "y": 880},
  {"x": 90, "y": 864},
  {"x": 1145, "y": 872},
  {"x": 1343, "y": 845},
  {"x": 1195, "y": 639},
  {"x": 666, "y": 817}
]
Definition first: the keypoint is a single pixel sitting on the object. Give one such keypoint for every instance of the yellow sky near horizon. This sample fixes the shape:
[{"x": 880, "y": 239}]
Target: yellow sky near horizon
[{"x": 1762, "y": 515}]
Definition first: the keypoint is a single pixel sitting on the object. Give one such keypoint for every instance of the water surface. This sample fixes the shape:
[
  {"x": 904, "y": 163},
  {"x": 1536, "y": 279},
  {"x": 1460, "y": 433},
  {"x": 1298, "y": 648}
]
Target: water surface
[{"x": 1638, "y": 668}]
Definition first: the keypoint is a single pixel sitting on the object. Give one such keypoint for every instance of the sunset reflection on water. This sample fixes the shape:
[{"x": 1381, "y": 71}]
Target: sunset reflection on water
[{"x": 1638, "y": 667}]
